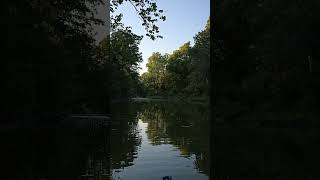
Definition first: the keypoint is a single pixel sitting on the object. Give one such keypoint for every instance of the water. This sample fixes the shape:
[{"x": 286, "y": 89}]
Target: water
[
  {"x": 76, "y": 149},
  {"x": 150, "y": 140}
]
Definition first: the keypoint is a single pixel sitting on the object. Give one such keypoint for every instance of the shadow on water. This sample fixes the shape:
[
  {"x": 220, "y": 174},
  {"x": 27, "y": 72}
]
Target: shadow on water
[
  {"x": 56, "y": 153},
  {"x": 124, "y": 139},
  {"x": 166, "y": 127}
]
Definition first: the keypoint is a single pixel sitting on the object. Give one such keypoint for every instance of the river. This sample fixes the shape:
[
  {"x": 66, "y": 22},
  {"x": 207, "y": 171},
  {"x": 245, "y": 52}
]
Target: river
[{"x": 150, "y": 140}]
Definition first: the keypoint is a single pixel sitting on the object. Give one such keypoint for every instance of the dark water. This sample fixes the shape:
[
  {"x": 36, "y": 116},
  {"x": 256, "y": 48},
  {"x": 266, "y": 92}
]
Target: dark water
[
  {"x": 73, "y": 150},
  {"x": 150, "y": 140}
]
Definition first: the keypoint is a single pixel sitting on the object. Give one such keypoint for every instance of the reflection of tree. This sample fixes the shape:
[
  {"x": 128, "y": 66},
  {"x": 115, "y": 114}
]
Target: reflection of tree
[
  {"x": 156, "y": 130},
  {"x": 185, "y": 126},
  {"x": 124, "y": 127}
]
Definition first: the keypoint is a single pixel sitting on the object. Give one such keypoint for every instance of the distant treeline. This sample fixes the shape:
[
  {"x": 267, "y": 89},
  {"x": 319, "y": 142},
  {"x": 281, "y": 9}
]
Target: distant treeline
[{"x": 185, "y": 72}]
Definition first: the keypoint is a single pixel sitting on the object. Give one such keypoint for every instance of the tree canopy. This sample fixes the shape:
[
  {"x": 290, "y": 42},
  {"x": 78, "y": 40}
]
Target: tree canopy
[
  {"x": 52, "y": 64},
  {"x": 185, "y": 72}
]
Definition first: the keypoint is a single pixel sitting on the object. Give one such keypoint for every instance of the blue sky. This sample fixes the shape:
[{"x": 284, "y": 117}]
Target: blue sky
[{"x": 184, "y": 19}]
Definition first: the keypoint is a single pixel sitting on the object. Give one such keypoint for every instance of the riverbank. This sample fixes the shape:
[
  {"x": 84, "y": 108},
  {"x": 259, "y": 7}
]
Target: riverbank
[{"x": 193, "y": 100}]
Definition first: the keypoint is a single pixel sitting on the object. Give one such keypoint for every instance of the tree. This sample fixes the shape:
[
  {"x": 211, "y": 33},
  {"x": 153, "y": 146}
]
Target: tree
[
  {"x": 48, "y": 51},
  {"x": 200, "y": 63},
  {"x": 148, "y": 12},
  {"x": 124, "y": 60},
  {"x": 155, "y": 77},
  {"x": 185, "y": 72},
  {"x": 178, "y": 69},
  {"x": 51, "y": 63},
  {"x": 125, "y": 55}
]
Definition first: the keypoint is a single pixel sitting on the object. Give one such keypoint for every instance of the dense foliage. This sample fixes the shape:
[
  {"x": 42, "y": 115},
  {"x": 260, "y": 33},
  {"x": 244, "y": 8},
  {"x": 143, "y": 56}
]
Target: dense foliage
[
  {"x": 52, "y": 64},
  {"x": 125, "y": 56},
  {"x": 269, "y": 61},
  {"x": 125, "y": 59},
  {"x": 48, "y": 50},
  {"x": 267, "y": 79},
  {"x": 185, "y": 72}
]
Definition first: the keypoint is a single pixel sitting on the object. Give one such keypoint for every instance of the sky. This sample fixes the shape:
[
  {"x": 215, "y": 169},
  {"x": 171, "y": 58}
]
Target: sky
[{"x": 185, "y": 18}]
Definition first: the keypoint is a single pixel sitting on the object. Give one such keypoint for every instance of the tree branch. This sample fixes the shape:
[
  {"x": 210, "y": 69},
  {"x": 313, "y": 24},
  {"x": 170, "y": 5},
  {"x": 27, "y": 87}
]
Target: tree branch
[{"x": 136, "y": 9}]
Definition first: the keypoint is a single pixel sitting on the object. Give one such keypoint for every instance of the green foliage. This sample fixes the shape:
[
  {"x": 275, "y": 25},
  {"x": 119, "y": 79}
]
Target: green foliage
[
  {"x": 52, "y": 64},
  {"x": 155, "y": 79},
  {"x": 124, "y": 60},
  {"x": 178, "y": 69},
  {"x": 185, "y": 72},
  {"x": 200, "y": 64}
]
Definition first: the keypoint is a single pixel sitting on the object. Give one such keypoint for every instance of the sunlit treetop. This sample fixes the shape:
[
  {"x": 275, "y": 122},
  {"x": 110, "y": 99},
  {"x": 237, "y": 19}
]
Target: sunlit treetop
[{"x": 180, "y": 53}]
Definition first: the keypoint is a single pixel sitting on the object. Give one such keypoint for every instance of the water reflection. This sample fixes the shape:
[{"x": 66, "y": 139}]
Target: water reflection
[
  {"x": 161, "y": 137},
  {"x": 124, "y": 137},
  {"x": 148, "y": 141}
]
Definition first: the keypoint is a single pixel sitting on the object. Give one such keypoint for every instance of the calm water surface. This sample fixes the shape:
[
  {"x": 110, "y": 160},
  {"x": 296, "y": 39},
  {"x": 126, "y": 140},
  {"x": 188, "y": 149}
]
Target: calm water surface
[{"x": 150, "y": 140}]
